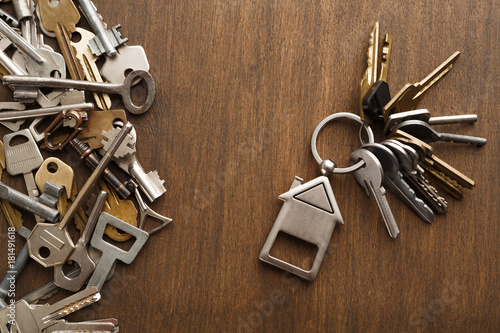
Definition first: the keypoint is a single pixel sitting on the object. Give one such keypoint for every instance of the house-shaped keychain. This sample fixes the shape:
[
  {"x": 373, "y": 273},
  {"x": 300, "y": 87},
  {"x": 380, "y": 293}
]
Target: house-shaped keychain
[{"x": 309, "y": 213}]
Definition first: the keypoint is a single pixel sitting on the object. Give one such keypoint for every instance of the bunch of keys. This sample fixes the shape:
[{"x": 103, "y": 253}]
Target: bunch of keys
[{"x": 310, "y": 211}]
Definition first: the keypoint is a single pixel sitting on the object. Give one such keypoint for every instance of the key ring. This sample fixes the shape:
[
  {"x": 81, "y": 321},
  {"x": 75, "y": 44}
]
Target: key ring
[{"x": 328, "y": 166}]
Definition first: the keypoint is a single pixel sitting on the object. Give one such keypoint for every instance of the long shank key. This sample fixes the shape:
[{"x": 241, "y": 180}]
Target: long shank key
[
  {"x": 426, "y": 133},
  {"x": 425, "y": 115},
  {"x": 124, "y": 90}
]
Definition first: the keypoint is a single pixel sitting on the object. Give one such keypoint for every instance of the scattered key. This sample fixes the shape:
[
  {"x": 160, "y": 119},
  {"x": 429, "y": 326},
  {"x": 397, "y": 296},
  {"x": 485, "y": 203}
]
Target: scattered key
[
  {"x": 111, "y": 253},
  {"x": 23, "y": 158},
  {"x": 80, "y": 255},
  {"x": 150, "y": 183}
]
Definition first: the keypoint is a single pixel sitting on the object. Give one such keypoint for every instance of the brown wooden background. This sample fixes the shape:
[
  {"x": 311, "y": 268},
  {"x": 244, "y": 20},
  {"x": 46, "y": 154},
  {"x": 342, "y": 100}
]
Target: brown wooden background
[{"x": 241, "y": 86}]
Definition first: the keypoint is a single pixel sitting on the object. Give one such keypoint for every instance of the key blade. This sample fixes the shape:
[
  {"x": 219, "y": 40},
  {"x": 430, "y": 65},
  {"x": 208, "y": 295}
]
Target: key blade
[
  {"x": 370, "y": 75},
  {"x": 408, "y": 195},
  {"x": 386, "y": 57},
  {"x": 438, "y": 73},
  {"x": 443, "y": 182},
  {"x": 69, "y": 305},
  {"x": 390, "y": 222}
]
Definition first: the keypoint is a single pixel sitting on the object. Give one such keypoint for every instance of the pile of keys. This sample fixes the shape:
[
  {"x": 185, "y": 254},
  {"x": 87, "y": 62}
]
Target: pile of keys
[
  {"x": 104, "y": 65},
  {"x": 403, "y": 162}
]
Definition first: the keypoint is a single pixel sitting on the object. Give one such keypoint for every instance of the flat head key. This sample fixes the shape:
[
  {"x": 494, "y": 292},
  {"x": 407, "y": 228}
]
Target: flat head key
[
  {"x": 370, "y": 177},
  {"x": 426, "y": 133},
  {"x": 409, "y": 96},
  {"x": 81, "y": 255},
  {"x": 23, "y": 159},
  {"x": 51, "y": 244},
  {"x": 111, "y": 253},
  {"x": 124, "y": 90}
]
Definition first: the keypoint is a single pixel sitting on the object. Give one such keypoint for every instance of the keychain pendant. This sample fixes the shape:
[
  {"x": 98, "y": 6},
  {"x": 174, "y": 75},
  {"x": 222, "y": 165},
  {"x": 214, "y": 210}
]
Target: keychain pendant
[{"x": 310, "y": 213}]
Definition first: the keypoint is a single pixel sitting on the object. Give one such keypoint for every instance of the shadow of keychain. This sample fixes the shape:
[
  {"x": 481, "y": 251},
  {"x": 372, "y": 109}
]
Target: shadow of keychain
[{"x": 310, "y": 211}]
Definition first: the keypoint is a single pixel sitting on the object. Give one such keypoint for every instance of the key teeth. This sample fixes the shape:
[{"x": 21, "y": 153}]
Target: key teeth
[
  {"x": 155, "y": 177},
  {"x": 124, "y": 149},
  {"x": 95, "y": 44}
]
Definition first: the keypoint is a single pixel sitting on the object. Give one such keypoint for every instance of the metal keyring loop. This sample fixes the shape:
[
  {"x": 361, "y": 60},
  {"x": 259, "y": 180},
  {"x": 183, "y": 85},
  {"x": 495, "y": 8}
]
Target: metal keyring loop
[{"x": 330, "y": 119}]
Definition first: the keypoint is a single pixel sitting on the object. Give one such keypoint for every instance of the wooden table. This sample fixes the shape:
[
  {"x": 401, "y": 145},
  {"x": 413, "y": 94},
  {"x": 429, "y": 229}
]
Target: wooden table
[{"x": 241, "y": 85}]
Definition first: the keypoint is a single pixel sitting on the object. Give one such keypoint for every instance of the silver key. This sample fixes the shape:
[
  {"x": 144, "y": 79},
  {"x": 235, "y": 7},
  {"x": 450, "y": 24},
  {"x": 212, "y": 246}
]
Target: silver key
[
  {"x": 81, "y": 255},
  {"x": 145, "y": 211},
  {"x": 40, "y": 63},
  {"x": 111, "y": 253},
  {"x": 408, "y": 158},
  {"x": 105, "y": 41},
  {"x": 124, "y": 90},
  {"x": 23, "y": 159},
  {"x": 25, "y": 114},
  {"x": 370, "y": 177},
  {"x": 425, "y": 115},
  {"x": 128, "y": 58},
  {"x": 36, "y": 318},
  {"x": 423, "y": 131},
  {"x": 29, "y": 204},
  {"x": 393, "y": 179},
  {"x": 48, "y": 290},
  {"x": 125, "y": 157},
  {"x": 11, "y": 20},
  {"x": 92, "y": 326}
]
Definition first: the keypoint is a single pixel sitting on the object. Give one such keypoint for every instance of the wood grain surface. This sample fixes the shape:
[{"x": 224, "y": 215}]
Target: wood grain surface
[{"x": 241, "y": 85}]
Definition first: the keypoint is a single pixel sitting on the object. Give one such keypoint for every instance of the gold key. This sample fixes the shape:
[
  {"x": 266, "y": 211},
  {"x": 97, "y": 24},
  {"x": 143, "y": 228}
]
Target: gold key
[
  {"x": 374, "y": 92},
  {"x": 408, "y": 97},
  {"x": 428, "y": 158},
  {"x": 442, "y": 181},
  {"x": 13, "y": 216},
  {"x": 88, "y": 62},
  {"x": 61, "y": 17},
  {"x": 122, "y": 209},
  {"x": 59, "y": 173}
]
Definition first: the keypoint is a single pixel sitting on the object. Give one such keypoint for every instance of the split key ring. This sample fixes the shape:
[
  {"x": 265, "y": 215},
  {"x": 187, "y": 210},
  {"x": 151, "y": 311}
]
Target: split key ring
[{"x": 328, "y": 166}]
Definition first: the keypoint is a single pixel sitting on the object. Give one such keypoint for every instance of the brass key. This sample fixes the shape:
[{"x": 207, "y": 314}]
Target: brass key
[
  {"x": 428, "y": 158},
  {"x": 448, "y": 186},
  {"x": 121, "y": 209},
  {"x": 61, "y": 17},
  {"x": 89, "y": 63},
  {"x": 408, "y": 97},
  {"x": 374, "y": 93}
]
